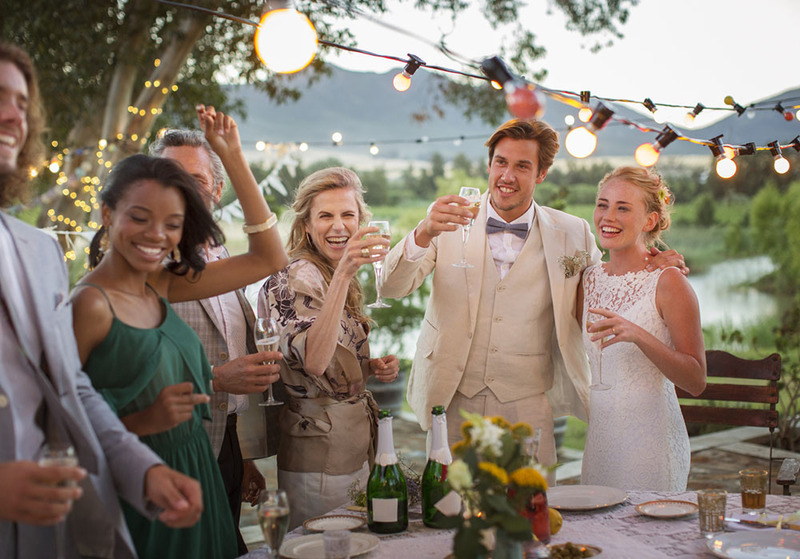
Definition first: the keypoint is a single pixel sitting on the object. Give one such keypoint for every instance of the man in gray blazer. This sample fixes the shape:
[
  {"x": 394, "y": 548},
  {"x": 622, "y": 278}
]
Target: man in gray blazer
[
  {"x": 500, "y": 337},
  {"x": 240, "y": 429},
  {"x": 45, "y": 397}
]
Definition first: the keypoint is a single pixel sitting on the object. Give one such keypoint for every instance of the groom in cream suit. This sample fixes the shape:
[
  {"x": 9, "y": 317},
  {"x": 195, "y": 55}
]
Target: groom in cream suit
[
  {"x": 500, "y": 337},
  {"x": 44, "y": 396}
]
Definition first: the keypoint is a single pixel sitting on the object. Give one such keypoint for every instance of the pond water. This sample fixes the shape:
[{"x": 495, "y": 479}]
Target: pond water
[{"x": 724, "y": 301}]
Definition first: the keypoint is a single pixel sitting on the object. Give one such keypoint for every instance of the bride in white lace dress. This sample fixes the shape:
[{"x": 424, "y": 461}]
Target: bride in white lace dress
[{"x": 649, "y": 327}]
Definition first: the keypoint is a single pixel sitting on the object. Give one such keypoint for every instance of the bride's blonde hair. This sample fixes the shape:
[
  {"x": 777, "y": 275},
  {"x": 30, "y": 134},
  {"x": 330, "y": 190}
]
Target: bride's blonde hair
[{"x": 657, "y": 196}]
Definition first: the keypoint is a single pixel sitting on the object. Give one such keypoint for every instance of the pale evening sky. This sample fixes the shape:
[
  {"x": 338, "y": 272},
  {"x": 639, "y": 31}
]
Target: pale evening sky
[{"x": 674, "y": 51}]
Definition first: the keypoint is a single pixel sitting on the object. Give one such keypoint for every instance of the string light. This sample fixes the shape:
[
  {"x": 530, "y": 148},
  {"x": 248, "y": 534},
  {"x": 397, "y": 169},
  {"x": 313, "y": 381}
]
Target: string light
[
  {"x": 736, "y": 106},
  {"x": 725, "y": 166},
  {"x": 522, "y": 98},
  {"x": 781, "y": 164},
  {"x": 658, "y": 115},
  {"x": 691, "y": 115},
  {"x": 337, "y": 138},
  {"x": 373, "y": 149},
  {"x": 647, "y": 154},
  {"x": 585, "y": 114},
  {"x": 582, "y": 141},
  {"x": 285, "y": 40},
  {"x": 787, "y": 115},
  {"x": 402, "y": 80}
]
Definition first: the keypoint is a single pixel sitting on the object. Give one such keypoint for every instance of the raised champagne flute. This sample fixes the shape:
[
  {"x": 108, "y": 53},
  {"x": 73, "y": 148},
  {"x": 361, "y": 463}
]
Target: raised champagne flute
[
  {"x": 591, "y": 318},
  {"x": 473, "y": 196},
  {"x": 60, "y": 454},
  {"x": 273, "y": 516},
  {"x": 267, "y": 336},
  {"x": 383, "y": 231}
]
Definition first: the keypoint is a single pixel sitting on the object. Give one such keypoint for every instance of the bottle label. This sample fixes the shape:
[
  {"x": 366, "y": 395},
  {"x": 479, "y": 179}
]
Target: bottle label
[{"x": 384, "y": 510}]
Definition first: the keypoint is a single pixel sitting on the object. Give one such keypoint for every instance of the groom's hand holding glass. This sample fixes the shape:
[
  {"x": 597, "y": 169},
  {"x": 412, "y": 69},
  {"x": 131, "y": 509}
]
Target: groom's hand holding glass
[{"x": 448, "y": 213}]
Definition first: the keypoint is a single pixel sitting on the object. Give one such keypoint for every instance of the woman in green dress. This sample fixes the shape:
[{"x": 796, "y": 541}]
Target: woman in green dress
[{"x": 149, "y": 364}]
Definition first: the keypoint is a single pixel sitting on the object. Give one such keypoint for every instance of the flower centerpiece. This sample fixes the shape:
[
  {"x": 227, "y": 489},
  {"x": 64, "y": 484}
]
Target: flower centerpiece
[{"x": 497, "y": 482}]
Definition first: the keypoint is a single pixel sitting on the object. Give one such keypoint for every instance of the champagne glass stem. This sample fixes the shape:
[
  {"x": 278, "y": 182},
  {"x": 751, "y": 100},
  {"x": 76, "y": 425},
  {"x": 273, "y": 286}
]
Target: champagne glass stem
[
  {"x": 60, "y": 539},
  {"x": 270, "y": 398},
  {"x": 378, "y": 281}
]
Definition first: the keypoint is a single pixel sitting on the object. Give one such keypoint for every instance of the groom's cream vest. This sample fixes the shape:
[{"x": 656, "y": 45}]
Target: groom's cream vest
[{"x": 514, "y": 363}]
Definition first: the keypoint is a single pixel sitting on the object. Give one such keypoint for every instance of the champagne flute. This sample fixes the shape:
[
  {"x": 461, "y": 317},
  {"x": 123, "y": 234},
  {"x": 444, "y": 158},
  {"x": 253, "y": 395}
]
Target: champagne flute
[
  {"x": 267, "y": 337},
  {"x": 383, "y": 231},
  {"x": 473, "y": 196},
  {"x": 60, "y": 454},
  {"x": 591, "y": 318},
  {"x": 273, "y": 516}
]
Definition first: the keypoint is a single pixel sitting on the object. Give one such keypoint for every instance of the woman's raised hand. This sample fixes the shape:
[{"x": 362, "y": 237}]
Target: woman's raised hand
[
  {"x": 360, "y": 250},
  {"x": 220, "y": 129}
]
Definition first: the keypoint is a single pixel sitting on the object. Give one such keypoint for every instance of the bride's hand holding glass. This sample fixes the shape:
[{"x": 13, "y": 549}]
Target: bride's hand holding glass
[{"x": 599, "y": 333}]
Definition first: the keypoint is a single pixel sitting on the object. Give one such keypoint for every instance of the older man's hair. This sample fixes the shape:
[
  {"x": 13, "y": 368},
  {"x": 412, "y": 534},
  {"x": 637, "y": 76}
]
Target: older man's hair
[
  {"x": 176, "y": 138},
  {"x": 14, "y": 185}
]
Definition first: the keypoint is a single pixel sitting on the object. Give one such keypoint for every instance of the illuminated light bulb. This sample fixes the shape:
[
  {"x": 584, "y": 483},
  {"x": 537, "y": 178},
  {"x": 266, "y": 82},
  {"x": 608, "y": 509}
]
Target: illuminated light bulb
[
  {"x": 729, "y": 152},
  {"x": 261, "y": 145},
  {"x": 373, "y": 149},
  {"x": 522, "y": 99},
  {"x": 497, "y": 85},
  {"x": 54, "y": 167},
  {"x": 286, "y": 41},
  {"x": 646, "y": 155},
  {"x": 728, "y": 100},
  {"x": 788, "y": 116},
  {"x": 580, "y": 142},
  {"x": 569, "y": 120},
  {"x": 458, "y": 141},
  {"x": 402, "y": 81},
  {"x": 691, "y": 115},
  {"x": 659, "y": 116},
  {"x": 781, "y": 164},
  {"x": 303, "y": 146},
  {"x": 337, "y": 138},
  {"x": 726, "y": 167},
  {"x": 797, "y": 114},
  {"x": 585, "y": 114}
]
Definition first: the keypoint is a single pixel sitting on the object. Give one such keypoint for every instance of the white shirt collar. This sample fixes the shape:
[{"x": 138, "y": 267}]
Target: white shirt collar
[{"x": 526, "y": 218}]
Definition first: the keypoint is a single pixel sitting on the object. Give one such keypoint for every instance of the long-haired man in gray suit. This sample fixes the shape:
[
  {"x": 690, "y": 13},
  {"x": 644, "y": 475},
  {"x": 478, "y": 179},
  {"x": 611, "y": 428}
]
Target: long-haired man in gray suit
[
  {"x": 44, "y": 395},
  {"x": 240, "y": 430}
]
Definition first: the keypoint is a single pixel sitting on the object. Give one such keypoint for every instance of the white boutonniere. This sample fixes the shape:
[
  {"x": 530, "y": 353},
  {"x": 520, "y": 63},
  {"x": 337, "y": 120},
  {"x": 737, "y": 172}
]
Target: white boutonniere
[{"x": 572, "y": 265}]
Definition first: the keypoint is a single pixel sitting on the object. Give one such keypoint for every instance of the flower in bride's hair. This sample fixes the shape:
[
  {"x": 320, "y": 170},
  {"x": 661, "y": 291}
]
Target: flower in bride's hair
[{"x": 573, "y": 265}]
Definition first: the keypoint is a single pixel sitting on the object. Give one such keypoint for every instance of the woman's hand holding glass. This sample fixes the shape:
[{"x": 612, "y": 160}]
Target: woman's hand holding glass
[
  {"x": 382, "y": 231},
  {"x": 600, "y": 332}
]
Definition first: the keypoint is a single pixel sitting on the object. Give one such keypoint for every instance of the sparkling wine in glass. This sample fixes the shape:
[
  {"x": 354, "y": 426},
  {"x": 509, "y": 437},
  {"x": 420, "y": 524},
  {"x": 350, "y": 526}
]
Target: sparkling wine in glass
[
  {"x": 60, "y": 454},
  {"x": 591, "y": 318},
  {"x": 473, "y": 196},
  {"x": 383, "y": 231},
  {"x": 267, "y": 337},
  {"x": 273, "y": 516}
]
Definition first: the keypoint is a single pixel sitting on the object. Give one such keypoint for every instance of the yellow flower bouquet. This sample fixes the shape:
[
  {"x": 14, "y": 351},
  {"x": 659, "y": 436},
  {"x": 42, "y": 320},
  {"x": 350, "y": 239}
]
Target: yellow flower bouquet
[{"x": 496, "y": 480}]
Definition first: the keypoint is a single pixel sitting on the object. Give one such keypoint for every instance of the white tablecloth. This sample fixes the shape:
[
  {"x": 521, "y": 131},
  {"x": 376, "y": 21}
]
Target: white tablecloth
[{"x": 620, "y": 531}]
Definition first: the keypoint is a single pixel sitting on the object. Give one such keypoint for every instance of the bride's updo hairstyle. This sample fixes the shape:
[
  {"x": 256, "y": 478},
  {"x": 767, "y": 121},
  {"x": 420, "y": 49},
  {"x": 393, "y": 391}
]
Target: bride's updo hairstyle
[{"x": 657, "y": 196}]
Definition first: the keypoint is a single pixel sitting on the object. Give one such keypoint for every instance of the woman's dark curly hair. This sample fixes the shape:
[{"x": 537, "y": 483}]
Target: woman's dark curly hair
[{"x": 199, "y": 226}]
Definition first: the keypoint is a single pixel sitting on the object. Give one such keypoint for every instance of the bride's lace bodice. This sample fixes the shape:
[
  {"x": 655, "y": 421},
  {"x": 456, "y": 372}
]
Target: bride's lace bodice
[{"x": 637, "y": 438}]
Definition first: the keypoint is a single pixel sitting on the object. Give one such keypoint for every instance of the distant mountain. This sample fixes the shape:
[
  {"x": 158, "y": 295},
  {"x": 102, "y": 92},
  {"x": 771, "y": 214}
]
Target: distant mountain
[{"x": 365, "y": 108}]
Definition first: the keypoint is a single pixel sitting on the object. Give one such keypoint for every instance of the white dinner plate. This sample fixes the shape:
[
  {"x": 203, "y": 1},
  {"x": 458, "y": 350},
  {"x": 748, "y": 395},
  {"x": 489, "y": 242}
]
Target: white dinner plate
[
  {"x": 334, "y": 522},
  {"x": 769, "y": 544},
  {"x": 312, "y": 547},
  {"x": 584, "y": 497},
  {"x": 667, "y": 508}
]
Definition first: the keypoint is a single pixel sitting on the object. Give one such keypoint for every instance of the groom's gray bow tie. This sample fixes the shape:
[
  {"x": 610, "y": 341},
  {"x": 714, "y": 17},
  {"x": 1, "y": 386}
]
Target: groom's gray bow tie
[{"x": 495, "y": 226}]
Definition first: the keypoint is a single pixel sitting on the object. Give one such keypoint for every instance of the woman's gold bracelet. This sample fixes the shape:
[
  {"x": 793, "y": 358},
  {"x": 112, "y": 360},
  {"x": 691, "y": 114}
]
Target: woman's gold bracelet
[{"x": 259, "y": 227}]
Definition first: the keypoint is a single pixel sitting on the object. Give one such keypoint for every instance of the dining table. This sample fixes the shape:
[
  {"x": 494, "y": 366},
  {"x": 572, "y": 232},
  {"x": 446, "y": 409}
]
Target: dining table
[{"x": 619, "y": 530}]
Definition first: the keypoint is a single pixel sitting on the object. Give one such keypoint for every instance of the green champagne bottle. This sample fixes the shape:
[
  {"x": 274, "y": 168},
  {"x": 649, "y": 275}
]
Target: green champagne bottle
[
  {"x": 434, "y": 478},
  {"x": 387, "y": 495}
]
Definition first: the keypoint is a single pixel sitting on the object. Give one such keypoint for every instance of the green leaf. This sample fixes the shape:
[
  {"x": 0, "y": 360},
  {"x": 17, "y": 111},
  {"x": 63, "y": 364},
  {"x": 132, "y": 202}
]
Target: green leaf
[{"x": 467, "y": 544}]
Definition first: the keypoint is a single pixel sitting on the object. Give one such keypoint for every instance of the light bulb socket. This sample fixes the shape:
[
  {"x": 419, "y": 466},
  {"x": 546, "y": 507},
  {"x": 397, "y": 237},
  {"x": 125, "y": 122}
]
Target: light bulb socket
[
  {"x": 413, "y": 64},
  {"x": 600, "y": 117},
  {"x": 778, "y": 107},
  {"x": 649, "y": 105},
  {"x": 666, "y": 137},
  {"x": 496, "y": 70},
  {"x": 716, "y": 147},
  {"x": 738, "y": 108},
  {"x": 586, "y": 97},
  {"x": 796, "y": 143},
  {"x": 698, "y": 109},
  {"x": 747, "y": 149},
  {"x": 775, "y": 149}
]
